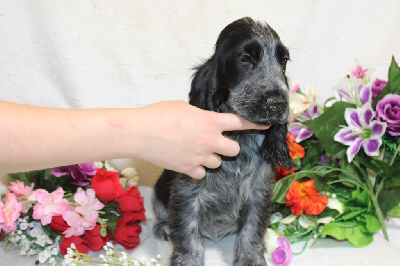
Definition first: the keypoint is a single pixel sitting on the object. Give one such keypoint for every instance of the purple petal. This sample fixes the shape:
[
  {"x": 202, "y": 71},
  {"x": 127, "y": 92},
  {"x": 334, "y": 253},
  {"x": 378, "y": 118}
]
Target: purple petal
[
  {"x": 371, "y": 147},
  {"x": 354, "y": 148},
  {"x": 343, "y": 137},
  {"x": 88, "y": 168},
  {"x": 282, "y": 256},
  {"x": 57, "y": 172},
  {"x": 344, "y": 95},
  {"x": 351, "y": 117},
  {"x": 365, "y": 94},
  {"x": 378, "y": 129},
  {"x": 366, "y": 114},
  {"x": 304, "y": 133},
  {"x": 283, "y": 242}
]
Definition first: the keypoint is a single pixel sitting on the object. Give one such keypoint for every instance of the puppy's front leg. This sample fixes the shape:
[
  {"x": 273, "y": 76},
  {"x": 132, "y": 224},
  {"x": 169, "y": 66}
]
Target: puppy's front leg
[
  {"x": 188, "y": 249},
  {"x": 253, "y": 222}
]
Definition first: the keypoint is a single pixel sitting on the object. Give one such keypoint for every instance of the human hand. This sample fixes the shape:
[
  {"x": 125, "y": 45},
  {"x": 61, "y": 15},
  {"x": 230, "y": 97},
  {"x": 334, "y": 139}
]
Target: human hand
[{"x": 186, "y": 139}]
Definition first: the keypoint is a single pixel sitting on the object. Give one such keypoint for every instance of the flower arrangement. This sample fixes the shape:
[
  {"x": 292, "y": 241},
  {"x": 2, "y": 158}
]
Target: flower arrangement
[
  {"x": 346, "y": 179},
  {"x": 72, "y": 210}
]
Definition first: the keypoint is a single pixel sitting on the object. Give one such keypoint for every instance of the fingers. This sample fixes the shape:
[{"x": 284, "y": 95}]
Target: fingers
[
  {"x": 197, "y": 173},
  {"x": 232, "y": 122}
]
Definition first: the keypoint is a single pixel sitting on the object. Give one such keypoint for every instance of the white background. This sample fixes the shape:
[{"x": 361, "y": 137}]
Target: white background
[{"x": 87, "y": 54}]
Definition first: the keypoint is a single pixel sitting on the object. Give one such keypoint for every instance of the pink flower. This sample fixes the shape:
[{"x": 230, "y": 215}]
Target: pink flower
[
  {"x": 84, "y": 217},
  {"x": 283, "y": 254},
  {"x": 49, "y": 205},
  {"x": 10, "y": 213},
  {"x": 358, "y": 72},
  {"x": 20, "y": 189}
]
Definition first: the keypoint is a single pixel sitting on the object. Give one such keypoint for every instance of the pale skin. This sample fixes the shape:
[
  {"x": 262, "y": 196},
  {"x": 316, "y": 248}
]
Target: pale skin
[{"x": 173, "y": 135}]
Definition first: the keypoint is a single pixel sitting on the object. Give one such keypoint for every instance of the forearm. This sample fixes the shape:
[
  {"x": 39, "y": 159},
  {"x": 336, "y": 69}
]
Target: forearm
[{"x": 37, "y": 138}]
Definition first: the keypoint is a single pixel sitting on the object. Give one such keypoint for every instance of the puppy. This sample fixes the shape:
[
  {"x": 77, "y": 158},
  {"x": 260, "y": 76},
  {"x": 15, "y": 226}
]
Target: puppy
[{"x": 245, "y": 76}]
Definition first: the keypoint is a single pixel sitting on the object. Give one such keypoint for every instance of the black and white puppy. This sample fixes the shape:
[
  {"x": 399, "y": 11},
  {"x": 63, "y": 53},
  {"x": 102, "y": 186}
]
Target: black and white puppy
[{"x": 245, "y": 76}]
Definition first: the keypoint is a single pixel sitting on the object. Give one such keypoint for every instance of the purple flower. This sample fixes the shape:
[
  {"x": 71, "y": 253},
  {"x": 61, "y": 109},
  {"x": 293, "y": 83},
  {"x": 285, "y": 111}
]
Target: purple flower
[
  {"x": 81, "y": 174},
  {"x": 283, "y": 254},
  {"x": 361, "y": 96},
  {"x": 388, "y": 110},
  {"x": 298, "y": 129},
  {"x": 361, "y": 131},
  {"x": 377, "y": 87}
]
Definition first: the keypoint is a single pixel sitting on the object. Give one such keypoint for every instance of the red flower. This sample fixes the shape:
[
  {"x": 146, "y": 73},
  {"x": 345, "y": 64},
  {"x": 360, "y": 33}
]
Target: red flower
[
  {"x": 130, "y": 200},
  {"x": 305, "y": 197},
  {"x": 81, "y": 245},
  {"x": 281, "y": 172},
  {"x": 127, "y": 231},
  {"x": 58, "y": 224},
  {"x": 94, "y": 240},
  {"x": 296, "y": 151},
  {"x": 106, "y": 185}
]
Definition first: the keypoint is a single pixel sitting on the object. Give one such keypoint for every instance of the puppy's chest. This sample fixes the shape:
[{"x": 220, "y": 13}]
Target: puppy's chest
[{"x": 228, "y": 190}]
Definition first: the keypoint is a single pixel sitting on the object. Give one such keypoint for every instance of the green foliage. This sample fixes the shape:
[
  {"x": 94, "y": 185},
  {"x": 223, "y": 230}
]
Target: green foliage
[
  {"x": 327, "y": 125},
  {"x": 393, "y": 85}
]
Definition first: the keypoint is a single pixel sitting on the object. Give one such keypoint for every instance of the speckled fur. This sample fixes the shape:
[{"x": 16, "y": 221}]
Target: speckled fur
[{"x": 236, "y": 197}]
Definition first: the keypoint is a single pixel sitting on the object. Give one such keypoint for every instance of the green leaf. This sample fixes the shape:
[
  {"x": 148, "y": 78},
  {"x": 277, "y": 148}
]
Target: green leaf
[
  {"x": 388, "y": 199},
  {"x": 327, "y": 125},
  {"x": 371, "y": 222},
  {"x": 112, "y": 220},
  {"x": 314, "y": 151},
  {"x": 393, "y": 85},
  {"x": 348, "y": 230}
]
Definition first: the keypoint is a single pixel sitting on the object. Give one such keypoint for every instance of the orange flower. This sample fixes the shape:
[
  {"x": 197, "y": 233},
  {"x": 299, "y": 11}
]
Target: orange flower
[
  {"x": 305, "y": 197},
  {"x": 281, "y": 172},
  {"x": 296, "y": 150}
]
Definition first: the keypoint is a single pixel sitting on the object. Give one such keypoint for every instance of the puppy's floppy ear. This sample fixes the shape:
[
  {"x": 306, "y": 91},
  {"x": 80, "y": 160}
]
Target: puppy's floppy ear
[
  {"x": 274, "y": 148},
  {"x": 204, "y": 86}
]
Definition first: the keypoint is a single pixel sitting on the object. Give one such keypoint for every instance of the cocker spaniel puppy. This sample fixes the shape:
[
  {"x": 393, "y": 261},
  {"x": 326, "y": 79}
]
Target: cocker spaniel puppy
[{"x": 245, "y": 76}]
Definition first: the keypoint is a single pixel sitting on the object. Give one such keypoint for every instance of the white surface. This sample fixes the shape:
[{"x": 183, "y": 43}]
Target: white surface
[
  {"x": 324, "y": 252},
  {"x": 133, "y": 53}
]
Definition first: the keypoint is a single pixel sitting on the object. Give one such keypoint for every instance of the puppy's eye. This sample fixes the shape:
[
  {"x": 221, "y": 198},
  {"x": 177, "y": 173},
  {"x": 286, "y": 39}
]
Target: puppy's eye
[
  {"x": 283, "y": 63},
  {"x": 246, "y": 59}
]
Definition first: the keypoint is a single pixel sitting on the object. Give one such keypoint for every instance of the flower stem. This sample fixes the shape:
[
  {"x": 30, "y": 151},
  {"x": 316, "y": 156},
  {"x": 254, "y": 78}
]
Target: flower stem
[
  {"x": 394, "y": 155},
  {"x": 380, "y": 215}
]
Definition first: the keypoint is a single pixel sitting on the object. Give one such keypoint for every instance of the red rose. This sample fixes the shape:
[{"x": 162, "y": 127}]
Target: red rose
[
  {"x": 127, "y": 232},
  {"x": 94, "y": 240},
  {"x": 58, "y": 224},
  {"x": 106, "y": 185},
  {"x": 131, "y": 201},
  {"x": 81, "y": 245}
]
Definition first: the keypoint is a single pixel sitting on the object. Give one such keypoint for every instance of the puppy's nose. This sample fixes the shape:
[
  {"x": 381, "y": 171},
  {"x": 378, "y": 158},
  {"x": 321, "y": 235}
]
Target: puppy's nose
[{"x": 276, "y": 103}]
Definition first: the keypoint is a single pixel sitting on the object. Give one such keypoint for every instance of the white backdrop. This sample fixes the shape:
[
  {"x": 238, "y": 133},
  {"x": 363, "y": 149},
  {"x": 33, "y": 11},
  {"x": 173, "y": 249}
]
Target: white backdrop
[{"x": 86, "y": 54}]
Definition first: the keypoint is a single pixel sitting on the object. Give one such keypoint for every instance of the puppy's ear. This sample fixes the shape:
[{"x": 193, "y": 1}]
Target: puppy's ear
[
  {"x": 204, "y": 85},
  {"x": 274, "y": 148}
]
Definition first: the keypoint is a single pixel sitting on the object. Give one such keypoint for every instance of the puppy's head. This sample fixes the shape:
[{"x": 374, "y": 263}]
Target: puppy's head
[{"x": 246, "y": 74}]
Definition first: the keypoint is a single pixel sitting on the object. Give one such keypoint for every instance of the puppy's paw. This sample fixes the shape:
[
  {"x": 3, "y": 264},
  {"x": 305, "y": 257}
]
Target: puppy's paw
[{"x": 160, "y": 230}]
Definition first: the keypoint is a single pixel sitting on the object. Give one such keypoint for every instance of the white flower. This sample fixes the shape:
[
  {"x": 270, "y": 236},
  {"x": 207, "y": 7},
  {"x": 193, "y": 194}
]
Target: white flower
[
  {"x": 299, "y": 103},
  {"x": 325, "y": 220},
  {"x": 335, "y": 204},
  {"x": 275, "y": 217},
  {"x": 271, "y": 241},
  {"x": 288, "y": 220},
  {"x": 306, "y": 221}
]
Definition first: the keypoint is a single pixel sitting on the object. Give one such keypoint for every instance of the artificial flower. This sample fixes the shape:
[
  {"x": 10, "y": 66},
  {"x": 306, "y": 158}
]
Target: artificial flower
[
  {"x": 78, "y": 224},
  {"x": 298, "y": 129},
  {"x": 388, "y": 110},
  {"x": 48, "y": 205},
  {"x": 281, "y": 172},
  {"x": 127, "y": 232},
  {"x": 360, "y": 73},
  {"x": 377, "y": 87},
  {"x": 296, "y": 151},
  {"x": 130, "y": 200},
  {"x": 9, "y": 213},
  {"x": 106, "y": 185},
  {"x": 88, "y": 204},
  {"x": 359, "y": 96},
  {"x": 94, "y": 239},
  {"x": 304, "y": 197},
  {"x": 299, "y": 102},
  {"x": 20, "y": 189},
  {"x": 58, "y": 224},
  {"x": 361, "y": 131},
  {"x": 80, "y": 244},
  {"x": 283, "y": 254},
  {"x": 81, "y": 174}
]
